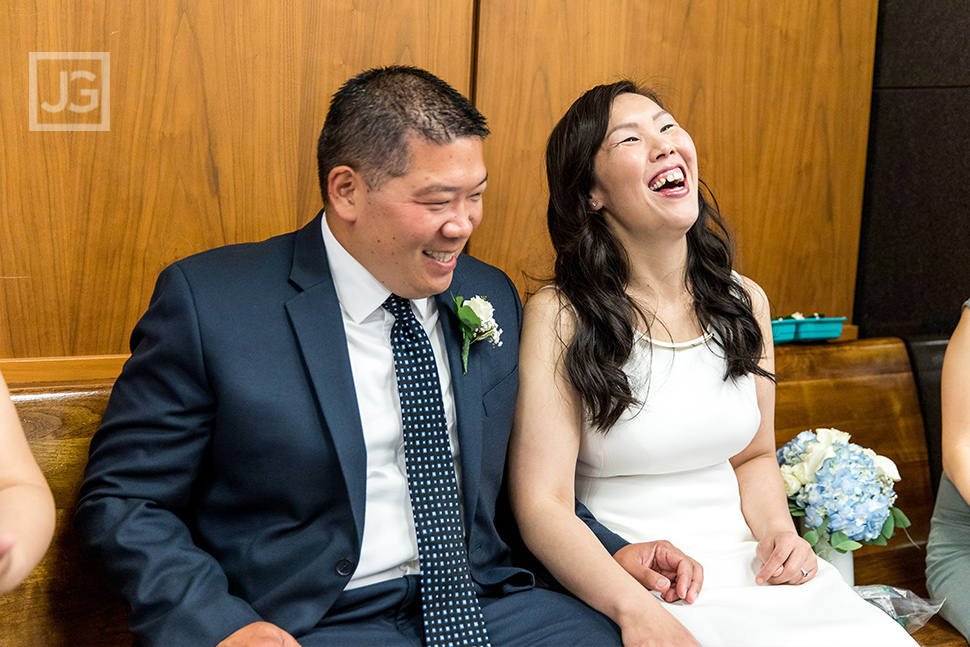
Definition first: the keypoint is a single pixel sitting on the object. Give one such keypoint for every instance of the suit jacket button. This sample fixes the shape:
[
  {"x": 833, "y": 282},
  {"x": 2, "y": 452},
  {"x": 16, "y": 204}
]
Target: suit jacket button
[{"x": 345, "y": 567}]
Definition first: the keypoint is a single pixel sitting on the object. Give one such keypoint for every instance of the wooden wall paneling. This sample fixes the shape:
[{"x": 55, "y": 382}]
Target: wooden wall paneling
[
  {"x": 194, "y": 97},
  {"x": 215, "y": 111},
  {"x": 344, "y": 38},
  {"x": 775, "y": 95}
]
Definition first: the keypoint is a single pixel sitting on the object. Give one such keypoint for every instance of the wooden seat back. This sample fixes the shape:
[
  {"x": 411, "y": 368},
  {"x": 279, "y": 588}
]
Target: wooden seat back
[{"x": 866, "y": 389}]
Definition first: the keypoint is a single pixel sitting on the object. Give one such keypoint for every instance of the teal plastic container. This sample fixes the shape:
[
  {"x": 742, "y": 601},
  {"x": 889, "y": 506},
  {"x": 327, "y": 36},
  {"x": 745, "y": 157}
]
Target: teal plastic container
[
  {"x": 783, "y": 330},
  {"x": 811, "y": 329}
]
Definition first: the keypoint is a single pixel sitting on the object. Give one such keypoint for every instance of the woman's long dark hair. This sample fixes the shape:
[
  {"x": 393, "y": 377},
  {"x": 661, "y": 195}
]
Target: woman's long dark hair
[{"x": 592, "y": 269}]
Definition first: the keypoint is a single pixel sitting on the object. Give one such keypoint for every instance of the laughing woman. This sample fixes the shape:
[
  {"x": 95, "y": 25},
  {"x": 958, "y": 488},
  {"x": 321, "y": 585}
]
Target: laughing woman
[{"x": 646, "y": 393}]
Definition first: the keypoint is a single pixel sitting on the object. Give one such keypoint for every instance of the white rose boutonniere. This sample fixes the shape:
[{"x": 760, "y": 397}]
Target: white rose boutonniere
[{"x": 476, "y": 316}]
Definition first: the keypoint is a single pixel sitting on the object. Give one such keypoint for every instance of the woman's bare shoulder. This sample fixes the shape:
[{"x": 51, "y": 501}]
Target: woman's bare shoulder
[
  {"x": 549, "y": 310},
  {"x": 759, "y": 300}
]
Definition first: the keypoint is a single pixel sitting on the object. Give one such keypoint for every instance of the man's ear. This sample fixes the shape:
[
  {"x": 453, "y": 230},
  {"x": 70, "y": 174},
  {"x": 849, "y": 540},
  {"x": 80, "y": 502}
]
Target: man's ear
[{"x": 346, "y": 189}]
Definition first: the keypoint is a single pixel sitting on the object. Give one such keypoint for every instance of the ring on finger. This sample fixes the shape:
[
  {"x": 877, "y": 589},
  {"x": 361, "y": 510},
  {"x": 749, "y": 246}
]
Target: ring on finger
[{"x": 804, "y": 573}]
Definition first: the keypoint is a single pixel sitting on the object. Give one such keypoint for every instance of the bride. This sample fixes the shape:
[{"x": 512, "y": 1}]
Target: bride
[{"x": 646, "y": 394}]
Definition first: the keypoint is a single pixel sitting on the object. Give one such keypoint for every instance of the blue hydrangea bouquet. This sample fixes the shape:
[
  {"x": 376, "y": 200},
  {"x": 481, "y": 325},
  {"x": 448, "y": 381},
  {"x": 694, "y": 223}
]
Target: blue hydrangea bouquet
[{"x": 843, "y": 491}]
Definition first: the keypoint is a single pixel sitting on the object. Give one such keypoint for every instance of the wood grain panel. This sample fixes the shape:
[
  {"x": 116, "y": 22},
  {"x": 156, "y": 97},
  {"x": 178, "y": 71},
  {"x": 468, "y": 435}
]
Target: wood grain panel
[
  {"x": 775, "y": 94},
  {"x": 36, "y": 370},
  {"x": 215, "y": 111}
]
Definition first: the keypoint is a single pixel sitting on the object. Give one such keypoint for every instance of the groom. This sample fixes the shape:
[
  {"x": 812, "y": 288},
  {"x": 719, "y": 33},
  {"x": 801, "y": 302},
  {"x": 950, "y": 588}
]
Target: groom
[{"x": 252, "y": 481}]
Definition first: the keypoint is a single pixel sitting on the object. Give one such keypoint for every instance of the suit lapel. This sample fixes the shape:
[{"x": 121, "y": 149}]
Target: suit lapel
[
  {"x": 317, "y": 322},
  {"x": 467, "y": 390}
]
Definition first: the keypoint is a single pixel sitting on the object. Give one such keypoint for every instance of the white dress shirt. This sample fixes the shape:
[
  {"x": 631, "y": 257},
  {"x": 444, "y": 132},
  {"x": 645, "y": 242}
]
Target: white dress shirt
[{"x": 389, "y": 548}]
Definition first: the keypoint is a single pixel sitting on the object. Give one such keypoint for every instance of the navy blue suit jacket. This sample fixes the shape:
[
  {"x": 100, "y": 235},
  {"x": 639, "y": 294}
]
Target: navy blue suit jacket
[{"x": 226, "y": 484}]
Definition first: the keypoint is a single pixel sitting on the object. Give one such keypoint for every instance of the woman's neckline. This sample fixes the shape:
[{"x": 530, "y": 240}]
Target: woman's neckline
[{"x": 676, "y": 345}]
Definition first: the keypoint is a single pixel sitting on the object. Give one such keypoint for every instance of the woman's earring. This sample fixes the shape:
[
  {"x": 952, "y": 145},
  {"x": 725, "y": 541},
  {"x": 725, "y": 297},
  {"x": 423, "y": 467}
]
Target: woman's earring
[{"x": 593, "y": 202}]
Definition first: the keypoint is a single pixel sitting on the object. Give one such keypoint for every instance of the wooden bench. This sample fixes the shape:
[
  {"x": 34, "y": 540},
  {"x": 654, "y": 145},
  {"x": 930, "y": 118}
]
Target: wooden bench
[{"x": 866, "y": 388}]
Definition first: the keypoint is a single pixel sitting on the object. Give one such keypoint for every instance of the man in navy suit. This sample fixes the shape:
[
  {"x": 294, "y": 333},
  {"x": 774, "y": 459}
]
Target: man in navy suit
[{"x": 248, "y": 485}]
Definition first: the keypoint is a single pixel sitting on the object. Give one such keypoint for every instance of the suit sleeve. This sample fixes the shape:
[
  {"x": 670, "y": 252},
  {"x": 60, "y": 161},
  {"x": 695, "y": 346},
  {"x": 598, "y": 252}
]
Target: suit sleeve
[
  {"x": 610, "y": 540},
  {"x": 145, "y": 461}
]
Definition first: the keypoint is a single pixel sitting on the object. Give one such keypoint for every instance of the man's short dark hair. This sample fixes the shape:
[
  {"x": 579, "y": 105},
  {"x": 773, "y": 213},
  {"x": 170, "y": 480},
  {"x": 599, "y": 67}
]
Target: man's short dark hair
[{"x": 372, "y": 117}]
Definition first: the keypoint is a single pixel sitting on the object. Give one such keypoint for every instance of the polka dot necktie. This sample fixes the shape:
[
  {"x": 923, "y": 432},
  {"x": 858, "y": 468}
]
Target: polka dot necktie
[{"x": 452, "y": 616}]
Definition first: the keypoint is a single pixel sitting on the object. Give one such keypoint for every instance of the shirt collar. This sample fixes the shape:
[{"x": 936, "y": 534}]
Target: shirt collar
[{"x": 359, "y": 293}]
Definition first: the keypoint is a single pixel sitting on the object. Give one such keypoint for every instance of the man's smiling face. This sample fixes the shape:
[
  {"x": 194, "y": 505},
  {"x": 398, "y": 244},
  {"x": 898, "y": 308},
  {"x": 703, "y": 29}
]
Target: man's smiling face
[{"x": 409, "y": 231}]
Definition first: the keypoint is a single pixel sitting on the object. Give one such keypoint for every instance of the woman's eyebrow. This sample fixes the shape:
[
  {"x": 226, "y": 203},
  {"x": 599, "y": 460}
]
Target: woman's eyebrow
[
  {"x": 634, "y": 124},
  {"x": 629, "y": 124}
]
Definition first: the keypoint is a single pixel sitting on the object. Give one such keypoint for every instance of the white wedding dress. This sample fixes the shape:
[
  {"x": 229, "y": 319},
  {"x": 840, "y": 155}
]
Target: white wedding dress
[{"x": 662, "y": 472}]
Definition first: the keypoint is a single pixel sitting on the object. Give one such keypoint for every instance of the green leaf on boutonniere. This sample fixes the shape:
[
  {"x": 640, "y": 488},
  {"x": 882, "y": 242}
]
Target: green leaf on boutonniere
[
  {"x": 466, "y": 344},
  {"x": 469, "y": 320}
]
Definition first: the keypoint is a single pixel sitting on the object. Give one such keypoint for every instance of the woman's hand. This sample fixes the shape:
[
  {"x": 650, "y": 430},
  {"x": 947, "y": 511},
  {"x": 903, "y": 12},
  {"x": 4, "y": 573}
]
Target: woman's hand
[{"x": 786, "y": 558}]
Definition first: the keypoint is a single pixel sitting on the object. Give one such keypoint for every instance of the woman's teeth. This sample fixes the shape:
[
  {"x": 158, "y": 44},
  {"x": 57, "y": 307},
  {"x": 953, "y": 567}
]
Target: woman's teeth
[{"x": 673, "y": 176}]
